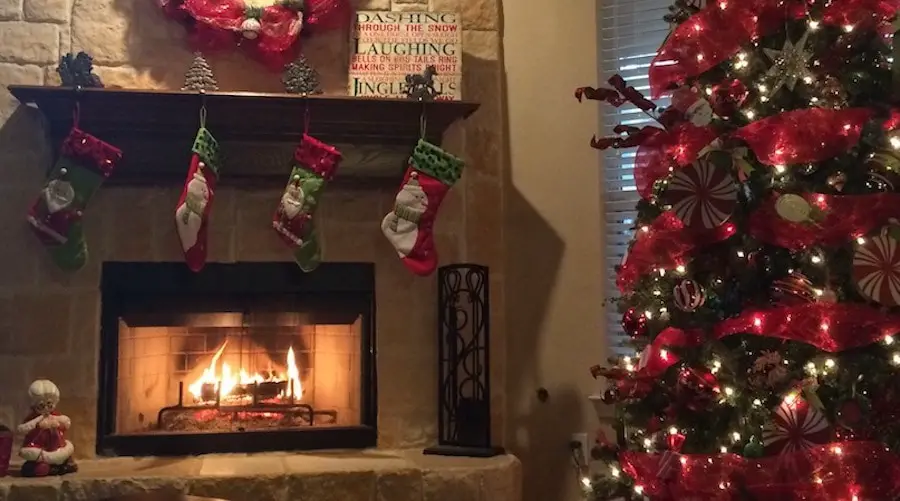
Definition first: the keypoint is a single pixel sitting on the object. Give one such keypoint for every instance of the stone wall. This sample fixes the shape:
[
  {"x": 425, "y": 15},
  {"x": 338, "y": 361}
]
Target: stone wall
[{"x": 49, "y": 320}]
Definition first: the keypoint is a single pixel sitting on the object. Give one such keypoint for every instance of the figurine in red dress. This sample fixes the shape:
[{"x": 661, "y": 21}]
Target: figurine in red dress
[{"x": 45, "y": 448}]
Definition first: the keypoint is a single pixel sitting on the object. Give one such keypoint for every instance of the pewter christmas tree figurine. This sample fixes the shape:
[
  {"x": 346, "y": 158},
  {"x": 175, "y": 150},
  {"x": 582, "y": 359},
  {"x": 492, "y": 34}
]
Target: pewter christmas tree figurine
[
  {"x": 45, "y": 448},
  {"x": 300, "y": 78},
  {"x": 199, "y": 76}
]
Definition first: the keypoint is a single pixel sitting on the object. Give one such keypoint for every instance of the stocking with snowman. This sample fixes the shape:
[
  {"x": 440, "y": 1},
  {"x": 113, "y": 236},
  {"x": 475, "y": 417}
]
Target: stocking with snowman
[
  {"x": 409, "y": 227},
  {"x": 195, "y": 204}
]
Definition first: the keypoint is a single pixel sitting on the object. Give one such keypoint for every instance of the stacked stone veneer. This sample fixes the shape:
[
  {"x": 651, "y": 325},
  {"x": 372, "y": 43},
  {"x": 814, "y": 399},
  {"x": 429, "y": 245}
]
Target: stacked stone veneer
[{"x": 49, "y": 320}]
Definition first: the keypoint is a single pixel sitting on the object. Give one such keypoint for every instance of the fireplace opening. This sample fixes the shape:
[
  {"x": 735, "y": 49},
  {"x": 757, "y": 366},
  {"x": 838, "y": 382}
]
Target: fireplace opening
[{"x": 238, "y": 358}]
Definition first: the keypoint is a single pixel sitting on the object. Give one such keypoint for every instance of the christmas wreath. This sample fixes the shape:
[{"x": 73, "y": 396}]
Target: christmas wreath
[{"x": 270, "y": 31}]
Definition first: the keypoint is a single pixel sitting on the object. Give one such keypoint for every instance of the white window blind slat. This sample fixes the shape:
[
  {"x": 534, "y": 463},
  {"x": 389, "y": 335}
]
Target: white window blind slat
[{"x": 631, "y": 31}]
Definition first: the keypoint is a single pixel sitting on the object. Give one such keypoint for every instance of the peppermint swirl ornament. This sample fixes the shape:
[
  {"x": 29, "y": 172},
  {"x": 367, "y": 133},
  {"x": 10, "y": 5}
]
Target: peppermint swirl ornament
[
  {"x": 688, "y": 295},
  {"x": 876, "y": 269},
  {"x": 796, "y": 426},
  {"x": 702, "y": 195}
]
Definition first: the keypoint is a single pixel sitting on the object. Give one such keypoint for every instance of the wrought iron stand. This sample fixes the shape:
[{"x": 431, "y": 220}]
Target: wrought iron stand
[{"x": 464, "y": 390}]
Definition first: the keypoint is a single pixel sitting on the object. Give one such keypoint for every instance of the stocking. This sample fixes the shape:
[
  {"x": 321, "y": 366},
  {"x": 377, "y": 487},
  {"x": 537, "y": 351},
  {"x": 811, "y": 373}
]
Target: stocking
[
  {"x": 84, "y": 163},
  {"x": 410, "y": 226},
  {"x": 314, "y": 165},
  {"x": 192, "y": 214}
]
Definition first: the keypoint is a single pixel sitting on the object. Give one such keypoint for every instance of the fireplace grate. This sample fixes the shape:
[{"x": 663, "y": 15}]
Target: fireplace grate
[{"x": 258, "y": 393}]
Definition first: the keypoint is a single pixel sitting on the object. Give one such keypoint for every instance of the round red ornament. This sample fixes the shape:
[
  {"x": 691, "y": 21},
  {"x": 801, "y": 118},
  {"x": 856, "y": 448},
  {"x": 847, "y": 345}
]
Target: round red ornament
[
  {"x": 702, "y": 195},
  {"x": 876, "y": 269},
  {"x": 850, "y": 414},
  {"x": 688, "y": 295},
  {"x": 796, "y": 426},
  {"x": 634, "y": 323},
  {"x": 728, "y": 97}
]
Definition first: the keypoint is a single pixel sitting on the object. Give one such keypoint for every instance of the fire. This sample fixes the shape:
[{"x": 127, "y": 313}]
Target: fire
[{"x": 228, "y": 381}]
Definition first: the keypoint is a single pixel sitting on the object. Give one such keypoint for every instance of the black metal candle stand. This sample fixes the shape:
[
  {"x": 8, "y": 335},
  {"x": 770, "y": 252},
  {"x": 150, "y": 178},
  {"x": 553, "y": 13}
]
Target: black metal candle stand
[{"x": 464, "y": 391}]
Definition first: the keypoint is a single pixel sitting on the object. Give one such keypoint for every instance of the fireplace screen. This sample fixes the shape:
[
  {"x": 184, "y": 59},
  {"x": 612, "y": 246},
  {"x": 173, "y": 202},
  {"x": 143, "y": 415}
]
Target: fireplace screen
[{"x": 215, "y": 360}]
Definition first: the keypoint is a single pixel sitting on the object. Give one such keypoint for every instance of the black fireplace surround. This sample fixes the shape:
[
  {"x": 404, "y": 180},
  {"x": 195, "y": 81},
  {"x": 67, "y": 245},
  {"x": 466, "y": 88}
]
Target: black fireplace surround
[{"x": 166, "y": 290}]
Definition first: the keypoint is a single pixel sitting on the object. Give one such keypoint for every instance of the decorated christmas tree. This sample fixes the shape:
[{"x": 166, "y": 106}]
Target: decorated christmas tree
[
  {"x": 200, "y": 76},
  {"x": 761, "y": 289}
]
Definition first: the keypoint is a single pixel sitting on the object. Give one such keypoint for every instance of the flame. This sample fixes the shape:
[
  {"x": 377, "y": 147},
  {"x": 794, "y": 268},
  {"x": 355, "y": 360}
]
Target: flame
[
  {"x": 293, "y": 374},
  {"x": 228, "y": 380}
]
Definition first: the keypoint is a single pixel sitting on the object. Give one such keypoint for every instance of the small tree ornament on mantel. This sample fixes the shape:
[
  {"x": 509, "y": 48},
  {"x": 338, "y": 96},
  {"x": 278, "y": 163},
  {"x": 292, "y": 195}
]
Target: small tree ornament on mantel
[
  {"x": 301, "y": 78},
  {"x": 199, "y": 76},
  {"x": 45, "y": 448}
]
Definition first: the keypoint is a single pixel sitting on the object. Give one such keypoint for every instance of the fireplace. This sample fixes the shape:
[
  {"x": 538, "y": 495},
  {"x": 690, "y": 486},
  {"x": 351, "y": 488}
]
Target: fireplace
[{"x": 240, "y": 357}]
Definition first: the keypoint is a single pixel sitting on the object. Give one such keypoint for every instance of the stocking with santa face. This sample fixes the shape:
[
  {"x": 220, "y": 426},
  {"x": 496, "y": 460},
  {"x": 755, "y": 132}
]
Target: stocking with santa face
[
  {"x": 314, "y": 165},
  {"x": 55, "y": 217},
  {"x": 195, "y": 204},
  {"x": 409, "y": 226}
]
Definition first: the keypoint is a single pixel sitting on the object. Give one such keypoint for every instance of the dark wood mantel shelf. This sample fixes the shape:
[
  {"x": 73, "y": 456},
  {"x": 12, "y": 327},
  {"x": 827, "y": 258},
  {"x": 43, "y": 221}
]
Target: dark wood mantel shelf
[{"x": 155, "y": 128}]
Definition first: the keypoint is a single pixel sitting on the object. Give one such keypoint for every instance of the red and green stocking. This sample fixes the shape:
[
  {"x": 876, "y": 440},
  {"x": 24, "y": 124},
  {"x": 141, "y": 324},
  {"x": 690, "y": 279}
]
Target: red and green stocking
[
  {"x": 84, "y": 163},
  {"x": 410, "y": 226},
  {"x": 195, "y": 204},
  {"x": 314, "y": 165}
]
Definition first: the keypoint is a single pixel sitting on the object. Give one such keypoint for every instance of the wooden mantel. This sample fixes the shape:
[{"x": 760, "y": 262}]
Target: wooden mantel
[{"x": 155, "y": 129}]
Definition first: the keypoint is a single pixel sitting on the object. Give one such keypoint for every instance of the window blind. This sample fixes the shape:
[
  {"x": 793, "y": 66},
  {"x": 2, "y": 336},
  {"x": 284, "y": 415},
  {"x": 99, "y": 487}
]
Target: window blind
[{"x": 631, "y": 31}]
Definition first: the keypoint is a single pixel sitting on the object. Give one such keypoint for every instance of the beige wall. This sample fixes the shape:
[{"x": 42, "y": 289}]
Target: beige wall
[{"x": 553, "y": 238}]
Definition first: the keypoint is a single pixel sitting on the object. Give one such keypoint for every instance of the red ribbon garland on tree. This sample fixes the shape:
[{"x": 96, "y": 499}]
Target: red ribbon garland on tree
[
  {"x": 216, "y": 25},
  {"x": 827, "y": 326},
  {"x": 664, "y": 245},
  {"x": 844, "y": 217},
  {"x": 803, "y": 136},
  {"x": 667, "y": 150},
  {"x": 700, "y": 44},
  {"x": 839, "y": 470}
]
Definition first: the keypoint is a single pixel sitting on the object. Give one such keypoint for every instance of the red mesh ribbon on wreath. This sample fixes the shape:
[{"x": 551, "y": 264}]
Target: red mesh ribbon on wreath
[
  {"x": 803, "y": 136},
  {"x": 700, "y": 44},
  {"x": 664, "y": 244},
  {"x": 216, "y": 24},
  {"x": 831, "y": 327},
  {"x": 844, "y": 217},
  {"x": 838, "y": 470}
]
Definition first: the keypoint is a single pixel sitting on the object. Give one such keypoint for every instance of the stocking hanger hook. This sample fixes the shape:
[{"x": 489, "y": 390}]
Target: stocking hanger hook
[
  {"x": 202, "y": 108},
  {"x": 78, "y": 92},
  {"x": 423, "y": 122},
  {"x": 306, "y": 114}
]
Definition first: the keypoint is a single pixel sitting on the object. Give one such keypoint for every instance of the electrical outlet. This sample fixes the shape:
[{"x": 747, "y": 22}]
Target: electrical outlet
[{"x": 583, "y": 446}]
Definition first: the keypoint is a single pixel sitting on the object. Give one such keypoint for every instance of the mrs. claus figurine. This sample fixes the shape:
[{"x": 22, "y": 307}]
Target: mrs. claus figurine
[{"x": 45, "y": 448}]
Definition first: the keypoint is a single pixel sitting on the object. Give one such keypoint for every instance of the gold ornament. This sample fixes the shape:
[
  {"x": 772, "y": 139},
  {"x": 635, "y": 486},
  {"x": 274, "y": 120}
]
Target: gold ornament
[
  {"x": 789, "y": 64},
  {"x": 832, "y": 94},
  {"x": 793, "y": 208}
]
